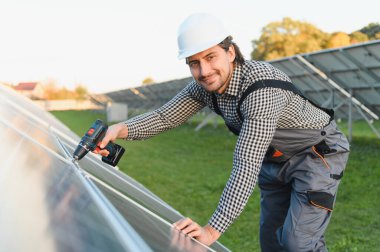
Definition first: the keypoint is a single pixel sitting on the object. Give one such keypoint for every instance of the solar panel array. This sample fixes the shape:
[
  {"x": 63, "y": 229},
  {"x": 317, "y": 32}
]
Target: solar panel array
[
  {"x": 50, "y": 203},
  {"x": 150, "y": 96},
  {"x": 339, "y": 78}
]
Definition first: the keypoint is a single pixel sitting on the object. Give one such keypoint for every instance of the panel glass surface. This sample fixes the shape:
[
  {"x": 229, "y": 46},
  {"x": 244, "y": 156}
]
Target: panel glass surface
[
  {"x": 26, "y": 126},
  {"x": 126, "y": 185},
  {"x": 22, "y": 106},
  {"x": 44, "y": 205},
  {"x": 159, "y": 235}
]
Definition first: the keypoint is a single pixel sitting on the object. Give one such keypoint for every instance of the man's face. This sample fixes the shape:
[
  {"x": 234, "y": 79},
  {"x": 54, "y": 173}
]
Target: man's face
[{"x": 213, "y": 68}]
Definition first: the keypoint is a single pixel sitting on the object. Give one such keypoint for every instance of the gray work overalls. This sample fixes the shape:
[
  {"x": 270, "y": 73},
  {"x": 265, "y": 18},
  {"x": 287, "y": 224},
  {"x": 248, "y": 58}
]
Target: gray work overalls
[
  {"x": 298, "y": 194},
  {"x": 299, "y": 179}
]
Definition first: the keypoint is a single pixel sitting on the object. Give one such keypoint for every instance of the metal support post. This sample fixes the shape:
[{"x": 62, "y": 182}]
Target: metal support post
[
  {"x": 338, "y": 87},
  {"x": 350, "y": 117},
  {"x": 205, "y": 121}
]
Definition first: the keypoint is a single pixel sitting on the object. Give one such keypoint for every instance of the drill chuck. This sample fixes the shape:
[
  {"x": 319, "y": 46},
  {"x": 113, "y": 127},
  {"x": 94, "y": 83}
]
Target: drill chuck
[{"x": 80, "y": 152}]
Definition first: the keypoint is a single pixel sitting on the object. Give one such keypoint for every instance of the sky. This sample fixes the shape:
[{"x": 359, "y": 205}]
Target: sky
[{"x": 109, "y": 45}]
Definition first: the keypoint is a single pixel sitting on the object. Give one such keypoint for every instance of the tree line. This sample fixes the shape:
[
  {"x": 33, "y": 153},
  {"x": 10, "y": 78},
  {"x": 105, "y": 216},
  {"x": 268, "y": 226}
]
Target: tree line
[
  {"x": 54, "y": 92},
  {"x": 289, "y": 37}
]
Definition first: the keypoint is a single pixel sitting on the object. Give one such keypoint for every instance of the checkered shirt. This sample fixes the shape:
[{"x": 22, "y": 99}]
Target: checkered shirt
[{"x": 263, "y": 111}]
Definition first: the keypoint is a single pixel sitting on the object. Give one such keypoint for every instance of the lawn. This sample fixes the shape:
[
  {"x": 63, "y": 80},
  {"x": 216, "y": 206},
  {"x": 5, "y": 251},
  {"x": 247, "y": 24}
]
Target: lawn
[{"x": 189, "y": 169}]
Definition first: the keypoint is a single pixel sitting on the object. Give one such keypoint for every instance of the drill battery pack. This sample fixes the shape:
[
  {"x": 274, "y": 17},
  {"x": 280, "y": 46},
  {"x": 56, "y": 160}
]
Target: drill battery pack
[{"x": 113, "y": 159}]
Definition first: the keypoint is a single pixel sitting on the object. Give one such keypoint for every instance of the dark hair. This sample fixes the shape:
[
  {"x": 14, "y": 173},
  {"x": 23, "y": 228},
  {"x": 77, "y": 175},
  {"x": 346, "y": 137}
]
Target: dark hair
[{"x": 226, "y": 43}]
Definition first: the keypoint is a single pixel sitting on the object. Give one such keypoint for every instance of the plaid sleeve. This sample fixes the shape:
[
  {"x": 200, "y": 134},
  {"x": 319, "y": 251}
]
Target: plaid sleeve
[
  {"x": 172, "y": 114},
  {"x": 261, "y": 111}
]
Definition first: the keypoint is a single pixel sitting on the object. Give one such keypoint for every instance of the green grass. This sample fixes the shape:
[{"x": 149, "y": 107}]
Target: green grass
[{"x": 189, "y": 169}]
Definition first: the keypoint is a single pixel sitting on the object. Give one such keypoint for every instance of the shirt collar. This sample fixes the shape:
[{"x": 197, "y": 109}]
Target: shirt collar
[{"x": 233, "y": 86}]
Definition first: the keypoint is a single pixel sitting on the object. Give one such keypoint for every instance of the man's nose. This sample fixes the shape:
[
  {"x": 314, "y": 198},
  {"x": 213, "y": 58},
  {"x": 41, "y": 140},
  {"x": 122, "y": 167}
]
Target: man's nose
[{"x": 205, "y": 68}]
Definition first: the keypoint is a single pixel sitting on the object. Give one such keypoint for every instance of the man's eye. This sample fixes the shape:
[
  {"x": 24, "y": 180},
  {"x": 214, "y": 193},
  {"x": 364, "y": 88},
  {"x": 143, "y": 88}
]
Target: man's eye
[
  {"x": 209, "y": 58},
  {"x": 193, "y": 64}
]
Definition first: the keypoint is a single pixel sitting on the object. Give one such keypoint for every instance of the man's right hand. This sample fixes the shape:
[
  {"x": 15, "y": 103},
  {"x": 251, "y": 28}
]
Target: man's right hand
[{"x": 119, "y": 130}]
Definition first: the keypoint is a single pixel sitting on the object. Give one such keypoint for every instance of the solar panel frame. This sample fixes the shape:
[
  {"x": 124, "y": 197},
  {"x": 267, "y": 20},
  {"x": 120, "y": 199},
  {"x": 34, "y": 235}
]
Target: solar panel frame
[{"x": 47, "y": 133}]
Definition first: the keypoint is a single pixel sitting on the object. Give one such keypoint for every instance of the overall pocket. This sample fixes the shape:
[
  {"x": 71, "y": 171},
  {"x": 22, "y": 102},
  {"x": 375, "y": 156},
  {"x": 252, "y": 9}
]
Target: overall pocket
[
  {"x": 322, "y": 200},
  {"x": 334, "y": 155}
]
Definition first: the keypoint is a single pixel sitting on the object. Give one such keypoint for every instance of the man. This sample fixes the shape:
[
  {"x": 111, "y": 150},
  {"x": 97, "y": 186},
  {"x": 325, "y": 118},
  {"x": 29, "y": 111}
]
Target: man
[{"x": 289, "y": 144}]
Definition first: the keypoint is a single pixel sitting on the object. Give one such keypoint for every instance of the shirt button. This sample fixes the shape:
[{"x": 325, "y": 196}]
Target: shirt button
[{"x": 323, "y": 133}]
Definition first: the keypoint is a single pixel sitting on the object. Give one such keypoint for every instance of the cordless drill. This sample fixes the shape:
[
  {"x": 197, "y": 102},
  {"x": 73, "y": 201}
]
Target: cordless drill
[{"x": 90, "y": 140}]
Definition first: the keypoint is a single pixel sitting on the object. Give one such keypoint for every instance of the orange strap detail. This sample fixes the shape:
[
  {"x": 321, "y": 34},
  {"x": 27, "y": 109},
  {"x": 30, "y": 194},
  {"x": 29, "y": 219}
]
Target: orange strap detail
[
  {"x": 314, "y": 204},
  {"x": 277, "y": 153},
  {"x": 319, "y": 155}
]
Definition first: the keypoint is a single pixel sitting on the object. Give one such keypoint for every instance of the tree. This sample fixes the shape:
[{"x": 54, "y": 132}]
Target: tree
[
  {"x": 148, "y": 81},
  {"x": 50, "y": 89},
  {"x": 358, "y": 37},
  {"x": 338, "y": 39},
  {"x": 289, "y": 37},
  {"x": 53, "y": 92},
  {"x": 286, "y": 38},
  {"x": 372, "y": 30},
  {"x": 63, "y": 93},
  {"x": 81, "y": 92}
]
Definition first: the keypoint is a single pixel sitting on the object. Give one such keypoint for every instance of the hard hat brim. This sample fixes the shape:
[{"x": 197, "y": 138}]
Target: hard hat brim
[{"x": 187, "y": 53}]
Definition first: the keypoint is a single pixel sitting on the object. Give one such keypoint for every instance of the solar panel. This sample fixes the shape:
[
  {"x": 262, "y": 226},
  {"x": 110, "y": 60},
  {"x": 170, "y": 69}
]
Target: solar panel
[
  {"x": 346, "y": 79},
  {"x": 46, "y": 205},
  {"x": 151, "y": 96},
  {"x": 355, "y": 68},
  {"x": 49, "y": 203}
]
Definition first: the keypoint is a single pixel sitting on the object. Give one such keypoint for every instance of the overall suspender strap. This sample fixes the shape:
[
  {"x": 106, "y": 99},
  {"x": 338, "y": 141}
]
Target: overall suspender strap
[
  {"x": 215, "y": 104},
  {"x": 285, "y": 85},
  {"x": 217, "y": 111}
]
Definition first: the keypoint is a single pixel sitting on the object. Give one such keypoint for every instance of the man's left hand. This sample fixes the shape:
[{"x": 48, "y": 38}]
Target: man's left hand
[{"x": 206, "y": 235}]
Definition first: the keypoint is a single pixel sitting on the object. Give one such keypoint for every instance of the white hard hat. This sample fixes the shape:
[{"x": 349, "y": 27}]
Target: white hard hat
[{"x": 199, "y": 32}]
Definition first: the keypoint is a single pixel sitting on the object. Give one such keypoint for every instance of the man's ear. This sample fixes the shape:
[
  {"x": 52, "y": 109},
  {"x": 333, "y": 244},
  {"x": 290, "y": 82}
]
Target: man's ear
[{"x": 231, "y": 53}]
